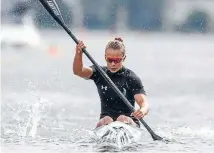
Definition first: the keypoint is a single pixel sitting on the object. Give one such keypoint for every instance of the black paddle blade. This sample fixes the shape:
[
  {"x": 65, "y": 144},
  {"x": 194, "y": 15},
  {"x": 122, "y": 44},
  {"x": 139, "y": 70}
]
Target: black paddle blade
[
  {"x": 52, "y": 7},
  {"x": 156, "y": 137},
  {"x": 152, "y": 133}
]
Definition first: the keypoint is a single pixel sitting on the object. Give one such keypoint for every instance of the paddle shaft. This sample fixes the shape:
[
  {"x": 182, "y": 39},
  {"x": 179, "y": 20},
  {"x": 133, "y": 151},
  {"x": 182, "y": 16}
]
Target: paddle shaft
[{"x": 53, "y": 12}]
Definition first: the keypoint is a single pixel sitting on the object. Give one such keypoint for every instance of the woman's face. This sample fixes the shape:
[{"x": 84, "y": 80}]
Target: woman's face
[{"x": 114, "y": 59}]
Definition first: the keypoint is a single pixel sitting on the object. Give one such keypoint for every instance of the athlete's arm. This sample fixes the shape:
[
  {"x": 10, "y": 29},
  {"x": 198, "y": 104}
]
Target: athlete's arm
[
  {"x": 78, "y": 68},
  {"x": 139, "y": 94},
  {"x": 142, "y": 101}
]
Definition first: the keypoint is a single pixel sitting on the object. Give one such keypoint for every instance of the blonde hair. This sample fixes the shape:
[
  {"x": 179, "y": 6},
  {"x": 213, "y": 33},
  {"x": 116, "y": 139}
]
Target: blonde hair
[{"x": 117, "y": 43}]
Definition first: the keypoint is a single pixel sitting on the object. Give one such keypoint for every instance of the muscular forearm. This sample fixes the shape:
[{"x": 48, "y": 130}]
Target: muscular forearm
[
  {"x": 78, "y": 68},
  {"x": 144, "y": 106},
  {"x": 142, "y": 101},
  {"x": 78, "y": 64}
]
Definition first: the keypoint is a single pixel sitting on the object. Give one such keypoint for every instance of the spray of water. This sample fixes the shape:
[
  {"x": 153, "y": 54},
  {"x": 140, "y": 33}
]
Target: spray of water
[{"x": 26, "y": 114}]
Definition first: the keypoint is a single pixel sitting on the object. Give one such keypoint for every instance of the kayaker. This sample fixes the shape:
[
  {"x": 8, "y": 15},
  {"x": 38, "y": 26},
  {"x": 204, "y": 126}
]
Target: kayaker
[{"x": 112, "y": 106}]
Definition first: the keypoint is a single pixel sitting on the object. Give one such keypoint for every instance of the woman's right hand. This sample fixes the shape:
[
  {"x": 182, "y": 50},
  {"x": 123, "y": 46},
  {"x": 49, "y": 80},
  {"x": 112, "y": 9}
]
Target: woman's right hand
[{"x": 79, "y": 47}]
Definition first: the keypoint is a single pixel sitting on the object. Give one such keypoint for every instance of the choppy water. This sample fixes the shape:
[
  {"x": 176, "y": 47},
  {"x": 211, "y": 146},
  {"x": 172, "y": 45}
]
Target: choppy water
[{"x": 45, "y": 108}]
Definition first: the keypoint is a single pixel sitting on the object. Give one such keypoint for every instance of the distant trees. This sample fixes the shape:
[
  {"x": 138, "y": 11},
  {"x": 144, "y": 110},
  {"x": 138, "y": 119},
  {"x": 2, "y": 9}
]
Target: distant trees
[
  {"x": 102, "y": 14},
  {"x": 197, "y": 21},
  {"x": 144, "y": 15}
]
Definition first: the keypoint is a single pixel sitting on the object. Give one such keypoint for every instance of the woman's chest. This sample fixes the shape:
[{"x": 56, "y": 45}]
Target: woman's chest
[{"x": 105, "y": 90}]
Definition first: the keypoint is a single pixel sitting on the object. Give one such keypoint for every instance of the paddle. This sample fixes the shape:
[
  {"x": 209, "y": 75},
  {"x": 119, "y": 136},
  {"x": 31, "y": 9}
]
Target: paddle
[{"x": 52, "y": 8}]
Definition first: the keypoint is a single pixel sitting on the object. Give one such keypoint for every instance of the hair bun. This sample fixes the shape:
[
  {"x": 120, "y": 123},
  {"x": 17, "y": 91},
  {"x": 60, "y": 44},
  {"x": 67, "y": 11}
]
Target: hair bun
[{"x": 119, "y": 39}]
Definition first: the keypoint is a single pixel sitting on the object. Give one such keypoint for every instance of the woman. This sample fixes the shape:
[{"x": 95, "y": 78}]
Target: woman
[{"x": 112, "y": 107}]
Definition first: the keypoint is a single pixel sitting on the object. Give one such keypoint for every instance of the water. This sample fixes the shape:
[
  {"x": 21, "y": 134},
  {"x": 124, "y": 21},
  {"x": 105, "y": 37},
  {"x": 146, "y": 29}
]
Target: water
[{"x": 45, "y": 108}]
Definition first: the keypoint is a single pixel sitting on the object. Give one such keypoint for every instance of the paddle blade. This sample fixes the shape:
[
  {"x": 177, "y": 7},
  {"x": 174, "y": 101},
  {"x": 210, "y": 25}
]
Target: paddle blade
[
  {"x": 52, "y": 7},
  {"x": 152, "y": 133},
  {"x": 156, "y": 137}
]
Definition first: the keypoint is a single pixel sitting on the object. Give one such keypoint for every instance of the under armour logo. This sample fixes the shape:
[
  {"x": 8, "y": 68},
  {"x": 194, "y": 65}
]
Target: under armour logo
[
  {"x": 104, "y": 87},
  {"x": 124, "y": 91}
]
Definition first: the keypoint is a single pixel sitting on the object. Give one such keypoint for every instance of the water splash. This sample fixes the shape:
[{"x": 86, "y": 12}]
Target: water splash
[
  {"x": 37, "y": 112},
  {"x": 26, "y": 114}
]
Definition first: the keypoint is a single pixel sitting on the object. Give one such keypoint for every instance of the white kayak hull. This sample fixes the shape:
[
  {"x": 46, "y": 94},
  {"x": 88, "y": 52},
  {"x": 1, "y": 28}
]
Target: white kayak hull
[{"x": 118, "y": 133}]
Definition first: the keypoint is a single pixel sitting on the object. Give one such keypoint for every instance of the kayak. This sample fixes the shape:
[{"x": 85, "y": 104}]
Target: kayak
[{"x": 118, "y": 133}]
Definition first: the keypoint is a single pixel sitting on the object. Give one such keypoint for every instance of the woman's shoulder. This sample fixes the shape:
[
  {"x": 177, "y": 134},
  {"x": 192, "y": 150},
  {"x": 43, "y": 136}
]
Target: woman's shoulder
[
  {"x": 132, "y": 78},
  {"x": 129, "y": 72}
]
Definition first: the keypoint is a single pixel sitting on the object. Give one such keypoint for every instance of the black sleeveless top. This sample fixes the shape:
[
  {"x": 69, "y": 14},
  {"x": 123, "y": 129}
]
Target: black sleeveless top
[{"x": 126, "y": 81}]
